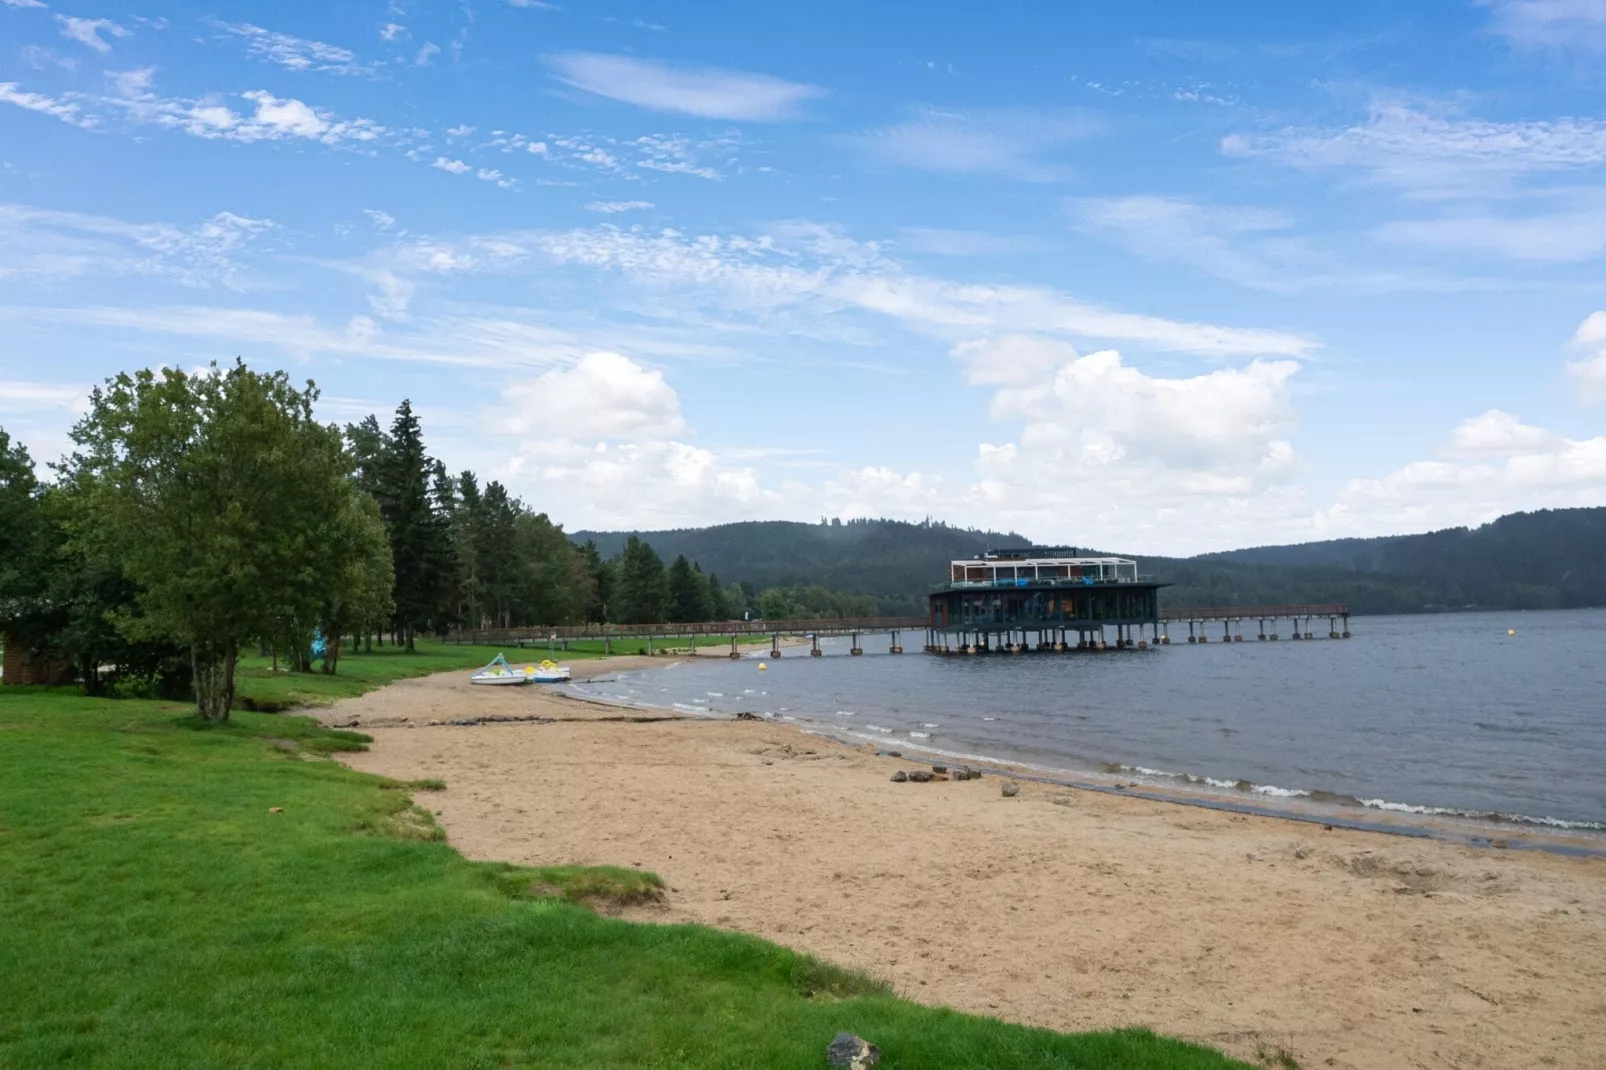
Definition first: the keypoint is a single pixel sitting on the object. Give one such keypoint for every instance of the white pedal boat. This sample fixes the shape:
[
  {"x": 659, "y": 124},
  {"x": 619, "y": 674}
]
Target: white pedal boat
[{"x": 500, "y": 674}]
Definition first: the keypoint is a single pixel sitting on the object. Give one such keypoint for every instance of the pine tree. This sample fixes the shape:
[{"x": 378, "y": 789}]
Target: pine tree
[
  {"x": 643, "y": 593},
  {"x": 602, "y": 583},
  {"x": 412, "y": 524},
  {"x": 688, "y": 593},
  {"x": 718, "y": 605}
]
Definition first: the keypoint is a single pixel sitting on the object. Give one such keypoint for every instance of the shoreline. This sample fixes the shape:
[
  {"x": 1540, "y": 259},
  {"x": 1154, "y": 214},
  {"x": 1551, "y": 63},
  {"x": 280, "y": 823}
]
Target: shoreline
[
  {"x": 1067, "y": 909},
  {"x": 1392, "y": 817}
]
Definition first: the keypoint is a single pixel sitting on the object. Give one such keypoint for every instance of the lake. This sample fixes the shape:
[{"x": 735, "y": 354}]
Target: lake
[{"x": 1435, "y": 714}]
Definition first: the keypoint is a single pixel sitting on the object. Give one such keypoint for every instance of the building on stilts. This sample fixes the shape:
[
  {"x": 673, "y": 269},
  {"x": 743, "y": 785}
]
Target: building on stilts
[{"x": 1042, "y": 599}]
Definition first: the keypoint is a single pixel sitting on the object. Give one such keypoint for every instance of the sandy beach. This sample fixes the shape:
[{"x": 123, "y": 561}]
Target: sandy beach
[{"x": 1062, "y": 908}]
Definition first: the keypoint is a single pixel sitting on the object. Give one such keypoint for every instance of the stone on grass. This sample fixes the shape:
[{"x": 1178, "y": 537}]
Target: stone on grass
[
  {"x": 849, "y": 1052},
  {"x": 1011, "y": 790}
]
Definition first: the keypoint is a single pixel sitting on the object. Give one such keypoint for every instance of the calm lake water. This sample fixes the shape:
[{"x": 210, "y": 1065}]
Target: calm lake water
[{"x": 1444, "y": 714}]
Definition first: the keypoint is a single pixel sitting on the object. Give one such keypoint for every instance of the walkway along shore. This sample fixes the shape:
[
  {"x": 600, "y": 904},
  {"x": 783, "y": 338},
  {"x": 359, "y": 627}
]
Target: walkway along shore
[{"x": 1055, "y": 907}]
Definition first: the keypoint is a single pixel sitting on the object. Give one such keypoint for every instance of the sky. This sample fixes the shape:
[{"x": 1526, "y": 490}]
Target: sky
[{"x": 1159, "y": 277}]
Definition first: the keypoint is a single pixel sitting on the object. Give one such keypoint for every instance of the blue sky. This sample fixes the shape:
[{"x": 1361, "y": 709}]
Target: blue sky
[{"x": 1164, "y": 277}]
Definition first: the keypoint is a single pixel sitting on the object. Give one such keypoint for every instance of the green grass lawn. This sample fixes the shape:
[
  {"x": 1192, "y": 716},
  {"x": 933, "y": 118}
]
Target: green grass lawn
[
  {"x": 158, "y": 908},
  {"x": 259, "y": 687}
]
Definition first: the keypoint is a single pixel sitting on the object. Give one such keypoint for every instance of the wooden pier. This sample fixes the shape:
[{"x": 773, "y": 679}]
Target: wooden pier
[
  {"x": 1014, "y": 638},
  {"x": 653, "y": 638}
]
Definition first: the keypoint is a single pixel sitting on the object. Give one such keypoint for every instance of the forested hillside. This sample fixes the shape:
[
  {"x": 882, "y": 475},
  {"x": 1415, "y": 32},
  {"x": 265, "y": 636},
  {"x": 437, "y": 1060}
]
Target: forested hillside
[
  {"x": 892, "y": 561},
  {"x": 1541, "y": 560}
]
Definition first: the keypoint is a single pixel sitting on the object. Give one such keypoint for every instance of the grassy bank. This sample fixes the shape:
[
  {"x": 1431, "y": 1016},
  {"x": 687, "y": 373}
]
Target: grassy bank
[
  {"x": 260, "y": 687},
  {"x": 222, "y": 896}
]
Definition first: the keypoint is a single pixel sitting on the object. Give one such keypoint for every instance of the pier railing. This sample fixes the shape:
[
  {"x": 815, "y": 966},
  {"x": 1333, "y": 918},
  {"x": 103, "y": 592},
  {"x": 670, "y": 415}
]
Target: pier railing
[
  {"x": 722, "y": 628},
  {"x": 1288, "y": 612}
]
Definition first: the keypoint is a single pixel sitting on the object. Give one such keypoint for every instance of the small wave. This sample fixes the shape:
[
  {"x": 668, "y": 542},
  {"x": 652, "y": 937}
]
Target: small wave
[
  {"x": 715, "y": 694},
  {"x": 1483, "y": 815},
  {"x": 846, "y": 713},
  {"x": 923, "y": 724},
  {"x": 919, "y": 735},
  {"x": 877, "y": 728},
  {"x": 1279, "y": 793},
  {"x": 989, "y": 718}
]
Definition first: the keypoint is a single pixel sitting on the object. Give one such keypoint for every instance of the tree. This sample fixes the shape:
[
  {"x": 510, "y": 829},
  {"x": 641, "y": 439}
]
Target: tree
[
  {"x": 417, "y": 535},
  {"x": 643, "y": 591},
  {"x": 688, "y": 592},
  {"x": 602, "y": 583},
  {"x": 359, "y": 580},
  {"x": 719, "y": 607},
  {"x": 216, "y": 492}
]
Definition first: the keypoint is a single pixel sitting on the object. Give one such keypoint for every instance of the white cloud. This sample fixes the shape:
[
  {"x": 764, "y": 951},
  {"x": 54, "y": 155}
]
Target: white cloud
[
  {"x": 66, "y": 111},
  {"x": 1435, "y": 150},
  {"x": 1588, "y": 374},
  {"x": 88, "y": 31},
  {"x": 605, "y": 396},
  {"x": 1500, "y": 434},
  {"x": 461, "y": 130},
  {"x": 23, "y": 3},
  {"x": 426, "y": 52},
  {"x": 274, "y": 118},
  {"x": 1551, "y": 23},
  {"x": 456, "y": 167},
  {"x": 294, "y": 53},
  {"x": 985, "y": 141},
  {"x": 678, "y": 155},
  {"x": 615, "y": 207},
  {"x": 709, "y": 92},
  {"x": 1536, "y": 469},
  {"x": 539, "y": 5},
  {"x": 381, "y": 219},
  {"x": 392, "y": 31}
]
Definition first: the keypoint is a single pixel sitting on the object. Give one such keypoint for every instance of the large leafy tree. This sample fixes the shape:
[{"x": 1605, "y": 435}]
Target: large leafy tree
[{"x": 218, "y": 494}]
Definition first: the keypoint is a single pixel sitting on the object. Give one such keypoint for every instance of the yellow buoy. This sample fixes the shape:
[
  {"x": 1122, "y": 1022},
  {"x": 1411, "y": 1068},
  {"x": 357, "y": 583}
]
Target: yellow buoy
[
  {"x": 1511, "y": 631},
  {"x": 762, "y": 667}
]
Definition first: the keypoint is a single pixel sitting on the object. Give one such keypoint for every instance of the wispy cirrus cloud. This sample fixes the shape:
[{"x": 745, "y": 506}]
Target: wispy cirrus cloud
[
  {"x": 1562, "y": 24},
  {"x": 38, "y": 245},
  {"x": 708, "y": 92},
  {"x": 88, "y": 31},
  {"x": 291, "y": 52},
  {"x": 1434, "y": 150},
  {"x": 615, "y": 207},
  {"x": 1009, "y": 141},
  {"x": 823, "y": 271}
]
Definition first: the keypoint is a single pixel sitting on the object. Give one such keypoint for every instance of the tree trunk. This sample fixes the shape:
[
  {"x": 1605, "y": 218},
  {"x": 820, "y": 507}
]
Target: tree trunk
[
  {"x": 331, "y": 654},
  {"x": 212, "y": 665}
]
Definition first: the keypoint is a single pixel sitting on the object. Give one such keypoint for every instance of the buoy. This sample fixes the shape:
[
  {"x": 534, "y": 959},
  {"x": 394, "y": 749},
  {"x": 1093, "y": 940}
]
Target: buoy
[
  {"x": 1511, "y": 631},
  {"x": 763, "y": 667}
]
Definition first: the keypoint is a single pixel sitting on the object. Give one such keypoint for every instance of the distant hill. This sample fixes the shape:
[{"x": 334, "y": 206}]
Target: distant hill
[
  {"x": 1550, "y": 559},
  {"x": 892, "y": 560}
]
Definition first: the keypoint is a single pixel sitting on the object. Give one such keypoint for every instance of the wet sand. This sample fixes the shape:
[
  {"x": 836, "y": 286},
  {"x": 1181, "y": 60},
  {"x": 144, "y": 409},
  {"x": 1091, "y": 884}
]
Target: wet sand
[{"x": 1063, "y": 908}]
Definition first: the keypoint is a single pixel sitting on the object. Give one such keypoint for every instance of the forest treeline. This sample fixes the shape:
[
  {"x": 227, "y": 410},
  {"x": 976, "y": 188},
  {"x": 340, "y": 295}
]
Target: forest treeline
[
  {"x": 202, "y": 515},
  {"x": 1540, "y": 560}
]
